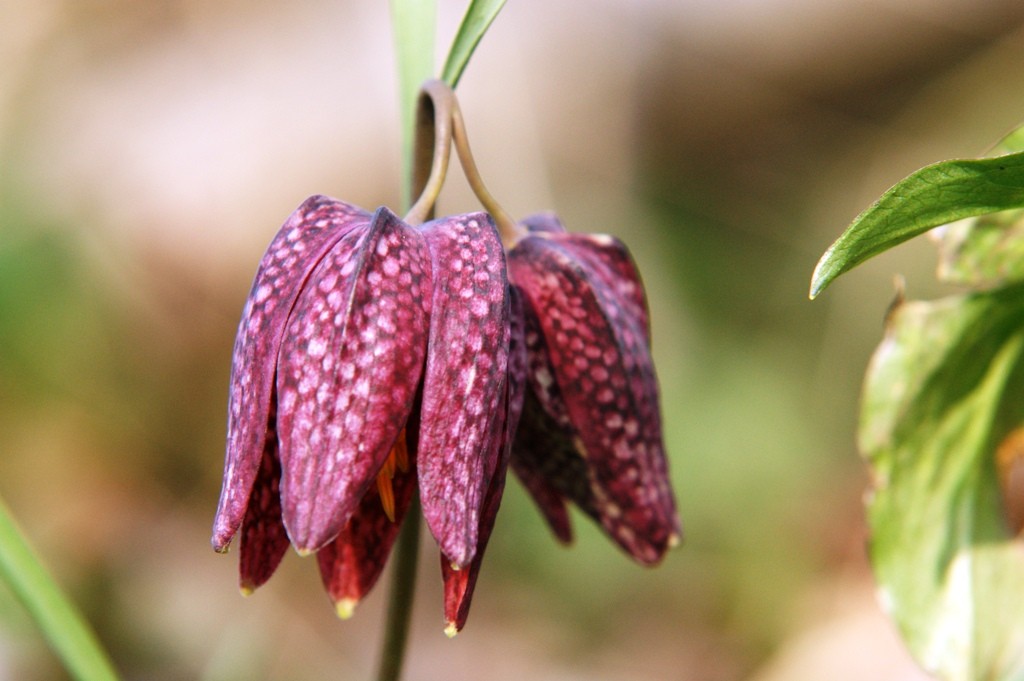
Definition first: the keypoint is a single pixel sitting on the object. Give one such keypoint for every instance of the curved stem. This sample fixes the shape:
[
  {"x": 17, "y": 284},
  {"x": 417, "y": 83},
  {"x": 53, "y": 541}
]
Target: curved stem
[
  {"x": 432, "y": 148},
  {"x": 403, "y": 581},
  {"x": 507, "y": 227},
  {"x": 439, "y": 122}
]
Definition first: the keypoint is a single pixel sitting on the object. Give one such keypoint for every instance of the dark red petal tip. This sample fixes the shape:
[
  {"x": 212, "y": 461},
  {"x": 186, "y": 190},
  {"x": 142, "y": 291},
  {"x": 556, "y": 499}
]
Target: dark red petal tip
[
  {"x": 306, "y": 235},
  {"x": 349, "y": 370},
  {"x": 263, "y": 539},
  {"x": 352, "y": 563},
  {"x": 464, "y": 382}
]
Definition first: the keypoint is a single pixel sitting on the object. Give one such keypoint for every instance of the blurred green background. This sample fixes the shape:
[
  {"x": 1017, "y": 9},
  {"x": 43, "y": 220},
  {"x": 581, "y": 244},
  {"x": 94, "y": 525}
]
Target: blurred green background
[{"x": 150, "y": 150}]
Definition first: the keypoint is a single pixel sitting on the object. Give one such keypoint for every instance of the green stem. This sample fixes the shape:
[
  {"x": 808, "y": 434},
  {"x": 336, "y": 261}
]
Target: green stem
[
  {"x": 62, "y": 625},
  {"x": 413, "y": 22},
  {"x": 432, "y": 148},
  {"x": 439, "y": 124},
  {"x": 507, "y": 227},
  {"x": 403, "y": 583}
]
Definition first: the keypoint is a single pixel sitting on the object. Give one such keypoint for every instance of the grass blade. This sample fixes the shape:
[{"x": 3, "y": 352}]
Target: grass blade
[
  {"x": 475, "y": 23},
  {"x": 68, "y": 634}
]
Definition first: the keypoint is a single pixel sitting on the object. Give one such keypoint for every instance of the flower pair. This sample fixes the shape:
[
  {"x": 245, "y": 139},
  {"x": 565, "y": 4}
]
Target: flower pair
[{"x": 374, "y": 359}]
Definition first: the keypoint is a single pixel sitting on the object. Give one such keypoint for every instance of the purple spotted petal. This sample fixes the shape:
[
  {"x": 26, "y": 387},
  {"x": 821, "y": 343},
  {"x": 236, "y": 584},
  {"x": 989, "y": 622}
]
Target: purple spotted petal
[
  {"x": 349, "y": 369},
  {"x": 540, "y": 374},
  {"x": 605, "y": 257},
  {"x": 607, "y": 260},
  {"x": 464, "y": 383},
  {"x": 460, "y": 584},
  {"x": 601, "y": 363},
  {"x": 518, "y": 367},
  {"x": 309, "y": 232},
  {"x": 544, "y": 455}
]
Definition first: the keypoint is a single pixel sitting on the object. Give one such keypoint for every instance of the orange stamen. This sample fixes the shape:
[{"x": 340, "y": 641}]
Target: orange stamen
[
  {"x": 387, "y": 495},
  {"x": 398, "y": 459},
  {"x": 401, "y": 453}
]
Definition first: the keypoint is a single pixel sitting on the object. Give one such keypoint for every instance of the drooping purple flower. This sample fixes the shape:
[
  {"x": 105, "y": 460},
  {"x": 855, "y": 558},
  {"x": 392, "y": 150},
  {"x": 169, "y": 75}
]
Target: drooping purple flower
[
  {"x": 372, "y": 358},
  {"x": 590, "y": 430}
]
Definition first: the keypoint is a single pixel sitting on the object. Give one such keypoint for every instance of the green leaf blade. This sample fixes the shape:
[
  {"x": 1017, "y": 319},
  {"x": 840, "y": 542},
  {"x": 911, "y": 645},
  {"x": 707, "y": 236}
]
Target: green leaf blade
[
  {"x": 935, "y": 195},
  {"x": 944, "y": 388},
  {"x": 478, "y": 18},
  {"x": 414, "y": 23},
  {"x": 67, "y": 632}
]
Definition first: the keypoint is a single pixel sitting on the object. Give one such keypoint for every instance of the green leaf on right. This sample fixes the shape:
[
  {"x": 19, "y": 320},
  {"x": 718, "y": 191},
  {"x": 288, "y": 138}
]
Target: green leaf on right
[
  {"x": 983, "y": 252},
  {"x": 942, "y": 417},
  {"x": 935, "y": 195},
  {"x": 945, "y": 388}
]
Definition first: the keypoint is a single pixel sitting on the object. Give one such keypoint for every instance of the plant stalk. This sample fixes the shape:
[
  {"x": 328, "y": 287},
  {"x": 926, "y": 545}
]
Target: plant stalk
[
  {"x": 431, "y": 149},
  {"x": 439, "y": 125},
  {"x": 400, "y": 599},
  {"x": 65, "y": 629},
  {"x": 507, "y": 227}
]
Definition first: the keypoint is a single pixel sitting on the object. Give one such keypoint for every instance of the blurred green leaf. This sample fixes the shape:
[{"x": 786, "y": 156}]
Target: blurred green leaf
[
  {"x": 988, "y": 250},
  {"x": 1012, "y": 143},
  {"x": 46, "y": 300},
  {"x": 983, "y": 252},
  {"x": 474, "y": 25},
  {"x": 935, "y": 195},
  {"x": 944, "y": 388},
  {"x": 414, "y": 23}
]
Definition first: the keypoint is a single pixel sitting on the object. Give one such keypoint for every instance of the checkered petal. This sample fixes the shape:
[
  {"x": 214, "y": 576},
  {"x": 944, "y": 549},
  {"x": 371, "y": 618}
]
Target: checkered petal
[
  {"x": 312, "y": 230},
  {"x": 464, "y": 383},
  {"x": 460, "y": 584},
  {"x": 601, "y": 390},
  {"x": 349, "y": 369}
]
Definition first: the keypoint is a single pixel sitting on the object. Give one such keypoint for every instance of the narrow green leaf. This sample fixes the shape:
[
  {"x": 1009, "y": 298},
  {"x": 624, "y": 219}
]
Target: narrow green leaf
[
  {"x": 68, "y": 634},
  {"x": 944, "y": 388},
  {"x": 935, "y": 195},
  {"x": 475, "y": 23},
  {"x": 414, "y": 23}
]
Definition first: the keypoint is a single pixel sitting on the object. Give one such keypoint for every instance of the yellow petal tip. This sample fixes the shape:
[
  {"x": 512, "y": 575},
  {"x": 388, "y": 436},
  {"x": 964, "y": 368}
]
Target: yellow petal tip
[
  {"x": 346, "y": 607},
  {"x": 674, "y": 540},
  {"x": 247, "y": 589},
  {"x": 451, "y": 630}
]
